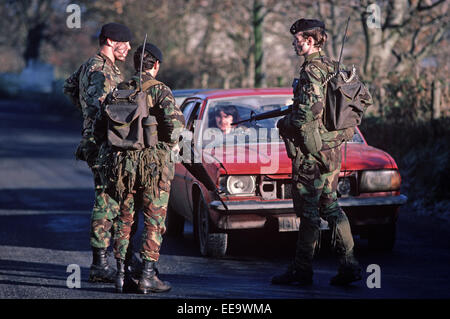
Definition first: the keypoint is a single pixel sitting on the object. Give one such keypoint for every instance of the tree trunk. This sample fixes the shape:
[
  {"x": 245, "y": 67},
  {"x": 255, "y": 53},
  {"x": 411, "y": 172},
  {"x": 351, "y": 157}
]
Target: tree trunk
[
  {"x": 205, "y": 80},
  {"x": 436, "y": 99},
  {"x": 258, "y": 19},
  {"x": 34, "y": 39}
]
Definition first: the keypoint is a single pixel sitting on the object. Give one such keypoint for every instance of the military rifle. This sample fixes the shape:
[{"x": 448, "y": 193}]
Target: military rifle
[{"x": 284, "y": 110}]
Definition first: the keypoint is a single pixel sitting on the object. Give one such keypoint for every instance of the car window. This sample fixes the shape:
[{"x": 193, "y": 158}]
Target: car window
[
  {"x": 187, "y": 110},
  {"x": 357, "y": 138},
  {"x": 220, "y": 112}
]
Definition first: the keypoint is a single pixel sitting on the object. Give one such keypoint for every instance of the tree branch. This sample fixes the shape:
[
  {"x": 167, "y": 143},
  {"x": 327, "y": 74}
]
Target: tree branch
[{"x": 420, "y": 7}]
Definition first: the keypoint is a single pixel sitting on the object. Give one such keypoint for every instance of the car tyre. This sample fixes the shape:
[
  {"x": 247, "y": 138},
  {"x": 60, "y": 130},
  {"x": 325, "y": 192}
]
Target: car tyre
[
  {"x": 382, "y": 237},
  {"x": 211, "y": 243},
  {"x": 174, "y": 222}
]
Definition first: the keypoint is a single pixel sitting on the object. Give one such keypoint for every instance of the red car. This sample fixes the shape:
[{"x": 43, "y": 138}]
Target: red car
[{"x": 252, "y": 173}]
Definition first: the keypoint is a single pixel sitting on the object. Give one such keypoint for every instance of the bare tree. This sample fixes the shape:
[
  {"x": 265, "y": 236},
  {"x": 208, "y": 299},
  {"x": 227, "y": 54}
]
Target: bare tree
[{"x": 422, "y": 24}]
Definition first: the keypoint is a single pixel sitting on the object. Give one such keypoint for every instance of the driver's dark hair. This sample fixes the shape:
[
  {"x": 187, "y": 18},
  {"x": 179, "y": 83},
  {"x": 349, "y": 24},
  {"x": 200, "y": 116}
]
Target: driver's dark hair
[{"x": 229, "y": 110}]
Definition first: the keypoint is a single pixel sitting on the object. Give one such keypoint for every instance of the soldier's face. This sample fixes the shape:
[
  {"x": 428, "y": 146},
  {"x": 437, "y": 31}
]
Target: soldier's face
[
  {"x": 301, "y": 45},
  {"x": 121, "y": 50}
]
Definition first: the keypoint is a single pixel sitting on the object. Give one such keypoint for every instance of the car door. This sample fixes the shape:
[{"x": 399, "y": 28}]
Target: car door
[{"x": 180, "y": 192}]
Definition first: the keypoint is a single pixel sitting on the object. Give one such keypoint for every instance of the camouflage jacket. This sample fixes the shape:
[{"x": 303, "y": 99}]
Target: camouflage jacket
[
  {"x": 309, "y": 99},
  {"x": 152, "y": 167},
  {"x": 89, "y": 85}
]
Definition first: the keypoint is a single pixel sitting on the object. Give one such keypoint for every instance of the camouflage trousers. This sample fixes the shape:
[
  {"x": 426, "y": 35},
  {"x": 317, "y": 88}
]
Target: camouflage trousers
[
  {"x": 105, "y": 211},
  {"x": 154, "y": 210},
  {"x": 315, "y": 178}
]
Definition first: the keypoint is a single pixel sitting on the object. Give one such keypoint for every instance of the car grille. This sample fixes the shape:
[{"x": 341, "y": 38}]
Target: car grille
[
  {"x": 275, "y": 189},
  {"x": 282, "y": 188},
  {"x": 287, "y": 190}
]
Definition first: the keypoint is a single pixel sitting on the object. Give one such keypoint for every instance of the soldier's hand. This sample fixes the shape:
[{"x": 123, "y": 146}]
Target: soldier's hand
[
  {"x": 305, "y": 116},
  {"x": 90, "y": 151}
]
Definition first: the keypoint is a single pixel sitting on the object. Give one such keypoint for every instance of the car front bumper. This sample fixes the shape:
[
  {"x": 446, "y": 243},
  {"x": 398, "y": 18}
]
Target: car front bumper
[
  {"x": 286, "y": 205},
  {"x": 250, "y": 214}
]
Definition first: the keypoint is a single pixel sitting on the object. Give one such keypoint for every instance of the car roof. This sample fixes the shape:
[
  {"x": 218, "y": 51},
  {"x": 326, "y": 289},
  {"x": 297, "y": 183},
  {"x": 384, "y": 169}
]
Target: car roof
[
  {"x": 223, "y": 93},
  {"x": 183, "y": 92}
]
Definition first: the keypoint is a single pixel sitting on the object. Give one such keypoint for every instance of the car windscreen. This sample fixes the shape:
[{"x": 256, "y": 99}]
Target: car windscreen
[{"x": 220, "y": 113}]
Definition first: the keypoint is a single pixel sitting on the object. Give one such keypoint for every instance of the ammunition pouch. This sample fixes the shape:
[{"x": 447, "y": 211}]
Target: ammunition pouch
[
  {"x": 310, "y": 140},
  {"x": 166, "y": 168},
  {"x": 305, "y": 138},
  {"x": 291, "y": 150},
  {"x": 150, "y": 131},
  {"x": 288, "y": 139}
]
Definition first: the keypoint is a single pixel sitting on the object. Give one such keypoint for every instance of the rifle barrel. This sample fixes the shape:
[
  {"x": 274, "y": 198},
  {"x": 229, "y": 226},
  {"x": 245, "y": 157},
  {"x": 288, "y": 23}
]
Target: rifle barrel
[{"x": 267, "y": 115}]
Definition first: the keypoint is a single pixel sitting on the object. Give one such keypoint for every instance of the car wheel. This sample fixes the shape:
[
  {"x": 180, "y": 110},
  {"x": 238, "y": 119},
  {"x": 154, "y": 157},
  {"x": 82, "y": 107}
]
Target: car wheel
[
  {"x": 382, "y": 237},
  {"x": 174, "y": 223},
  {"x": 210, "y": 243}
]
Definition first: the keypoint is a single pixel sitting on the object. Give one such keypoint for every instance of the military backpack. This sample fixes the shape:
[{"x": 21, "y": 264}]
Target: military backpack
[
  {"x": 347, "y": 98},
  {"x": 129, "y": 126}
]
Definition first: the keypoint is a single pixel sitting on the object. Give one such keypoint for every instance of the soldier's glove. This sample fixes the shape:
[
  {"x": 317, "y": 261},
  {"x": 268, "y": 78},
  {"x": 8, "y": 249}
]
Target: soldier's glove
[
  {"x": 282, "y": 125},
  {"x": 302, "y": 116},
  {"x": 87, "y": 151}
]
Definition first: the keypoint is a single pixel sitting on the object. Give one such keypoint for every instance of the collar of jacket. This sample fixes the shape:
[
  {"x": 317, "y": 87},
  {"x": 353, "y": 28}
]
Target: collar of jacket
[
  {"x": 109, "y": 62},
  {"x": 313, "y": 56},
  {"x": 145, "y": 77}
]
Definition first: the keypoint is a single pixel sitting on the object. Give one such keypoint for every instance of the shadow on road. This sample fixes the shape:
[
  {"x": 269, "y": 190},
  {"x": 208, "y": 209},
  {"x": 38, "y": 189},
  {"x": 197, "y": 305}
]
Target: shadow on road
[
  {"x": 47, "y": 199},
  {"x": 52, "y": 231}
]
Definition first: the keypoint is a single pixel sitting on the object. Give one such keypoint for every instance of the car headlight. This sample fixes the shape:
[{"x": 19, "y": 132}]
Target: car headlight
[
  {"x": 380, "y": 181},
  {"x": 238, "y": 185}
]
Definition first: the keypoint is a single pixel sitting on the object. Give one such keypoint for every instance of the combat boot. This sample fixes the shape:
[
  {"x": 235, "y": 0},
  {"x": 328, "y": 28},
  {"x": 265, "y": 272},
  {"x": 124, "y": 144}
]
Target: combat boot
[
  {"x": 100, "y": 270},
  {"x": 291, "y": 276},
  {"x": 346, "y": 275},
  {"x": 120, "y": 276},
  {"x": 149, "y": 281},
  {"x": 124, "y": 278}
]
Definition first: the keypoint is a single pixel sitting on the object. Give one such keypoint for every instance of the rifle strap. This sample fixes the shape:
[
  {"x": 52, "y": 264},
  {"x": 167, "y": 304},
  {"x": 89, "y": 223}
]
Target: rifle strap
[{"x": 345, "y": 158}]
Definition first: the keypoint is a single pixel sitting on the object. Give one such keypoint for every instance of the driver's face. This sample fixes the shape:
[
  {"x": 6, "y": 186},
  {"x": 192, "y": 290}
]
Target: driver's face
[{"x": 224, "y": 121}]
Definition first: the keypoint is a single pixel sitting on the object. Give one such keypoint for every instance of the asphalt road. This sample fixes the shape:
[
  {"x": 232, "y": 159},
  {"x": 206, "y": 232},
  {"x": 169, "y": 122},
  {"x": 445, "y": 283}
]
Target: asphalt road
[{"x": 45, "y": 202}]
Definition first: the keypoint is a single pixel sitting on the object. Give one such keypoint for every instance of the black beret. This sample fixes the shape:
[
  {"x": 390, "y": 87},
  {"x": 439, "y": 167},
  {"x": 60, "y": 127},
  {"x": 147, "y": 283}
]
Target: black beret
[
  {"x": 305, "y": 25},
  {"x": 153, "y": 50},
  {"x": 116, "y": 32}
]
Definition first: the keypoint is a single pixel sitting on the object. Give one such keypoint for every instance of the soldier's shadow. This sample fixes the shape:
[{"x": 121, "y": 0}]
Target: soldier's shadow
[{"x": 34, "y": 274}]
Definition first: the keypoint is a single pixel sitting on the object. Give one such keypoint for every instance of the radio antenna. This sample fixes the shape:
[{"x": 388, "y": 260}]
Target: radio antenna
[
  {"x": 142, "y": 62},
  {"x": 343, "y": 42}
]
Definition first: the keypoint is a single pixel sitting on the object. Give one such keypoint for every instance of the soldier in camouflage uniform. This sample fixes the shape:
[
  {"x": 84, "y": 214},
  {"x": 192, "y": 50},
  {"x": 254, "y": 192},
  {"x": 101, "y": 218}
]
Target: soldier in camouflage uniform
[
  {"x": 316, "y": 162},
  {"x": 146, "y": 172},
  {"x": 87, "y": 88}
]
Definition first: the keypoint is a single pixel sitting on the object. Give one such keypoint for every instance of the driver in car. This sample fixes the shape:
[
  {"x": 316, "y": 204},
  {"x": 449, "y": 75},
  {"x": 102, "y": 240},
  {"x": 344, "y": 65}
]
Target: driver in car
[{"x": 225, "y": 115}]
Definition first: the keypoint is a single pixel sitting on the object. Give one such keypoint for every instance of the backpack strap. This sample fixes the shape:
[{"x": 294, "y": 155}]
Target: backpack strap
[{"x": 148, "y": 84}]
